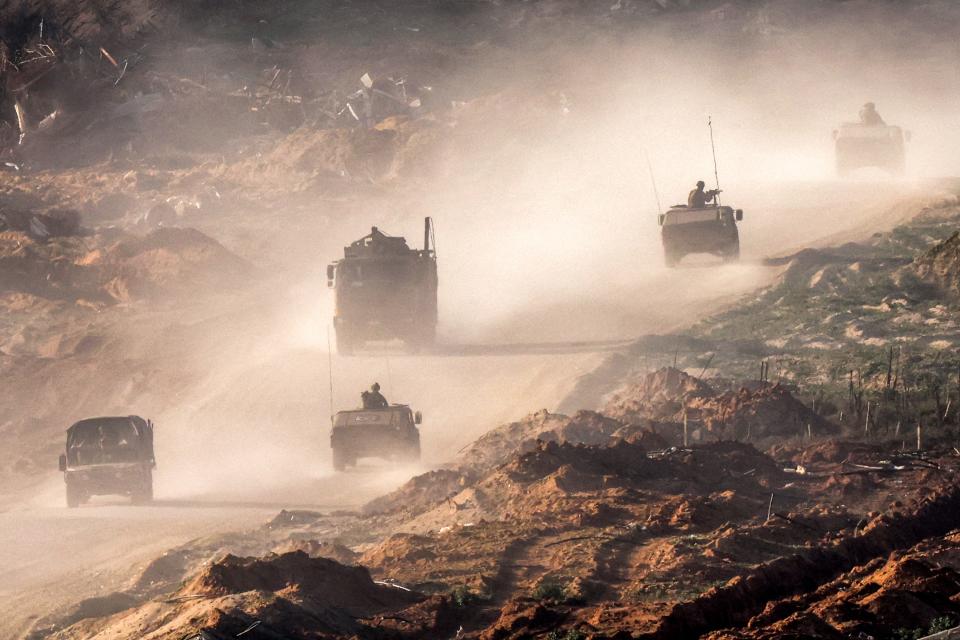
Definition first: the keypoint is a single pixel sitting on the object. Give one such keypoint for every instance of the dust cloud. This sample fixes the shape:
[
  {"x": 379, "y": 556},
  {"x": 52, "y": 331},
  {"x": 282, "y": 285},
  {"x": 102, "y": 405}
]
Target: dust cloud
[
  {"x": 542, "y": 190},
  {"x": 546, "y": 223}
]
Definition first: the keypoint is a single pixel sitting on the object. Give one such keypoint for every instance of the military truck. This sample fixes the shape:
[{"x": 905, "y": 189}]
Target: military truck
[
  {"x": 109, "y": 456},
  {"x": 711, "y": 229},
  {"x": 861, "y": 145},
  {"x": 384, "y": 290},
  {"x": 390, "y": 433}
]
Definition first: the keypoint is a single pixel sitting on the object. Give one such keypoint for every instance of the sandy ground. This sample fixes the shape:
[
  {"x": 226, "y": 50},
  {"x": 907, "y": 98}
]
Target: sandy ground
[{"x": 277, "y": 398}]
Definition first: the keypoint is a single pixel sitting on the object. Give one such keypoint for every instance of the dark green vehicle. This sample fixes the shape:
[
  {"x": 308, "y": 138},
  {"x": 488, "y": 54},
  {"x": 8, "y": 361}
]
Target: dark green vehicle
[
  {"x": 390, "y": 433},
  {"x": 109, "y": 456},
  {"x": 711, "y": 229},
  {"x": 385, "y": 290}
]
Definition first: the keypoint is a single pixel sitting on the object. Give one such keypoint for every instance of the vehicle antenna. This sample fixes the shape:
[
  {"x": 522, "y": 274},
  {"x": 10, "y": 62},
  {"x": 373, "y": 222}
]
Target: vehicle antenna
[
  {"x": 656, "y": 194},
  {"x": 713, "y": 148},
  {"x": 330, "y": 371}
]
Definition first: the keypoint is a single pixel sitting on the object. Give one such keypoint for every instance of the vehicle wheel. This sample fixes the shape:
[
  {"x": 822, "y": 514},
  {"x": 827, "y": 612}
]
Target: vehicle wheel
[
  {"x": 340, "y": 460},
  {"x": 345, "y": 342},
  {"x": 670, "y": 259},
  {"x": 144, "y": 493},
  {"x": 74, "y": 496},
  {"x": 413, "y": 453},
  {"x": 733, "y": 253},
  {"x": 421, "y": 339}
]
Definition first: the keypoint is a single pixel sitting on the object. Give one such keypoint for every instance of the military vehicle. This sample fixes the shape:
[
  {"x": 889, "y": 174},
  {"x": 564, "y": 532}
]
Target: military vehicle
[
  {"x": 711, "y": 229},
  {"x": 390, "y": 433},
  {"x": 384, "y": 290},
  {"x": 109, "y": 456},
  {"x": 860, "y": 145}
]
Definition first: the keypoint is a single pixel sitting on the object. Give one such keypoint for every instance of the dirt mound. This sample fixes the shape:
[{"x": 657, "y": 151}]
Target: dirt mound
[
  {"x": 673, "y": 396},
  {"x": 394, "y": 148},
  {"x": 660, "y": 395},
  {"x": 103, "y": 269},
  {"x": 319, "y": 578},
  {"x": 166, "y": 260},
  {"x": 316, "y": 549},
  {"x": 421, "y": 492},
  {"x": 941, "y": 264},
  {"x": 499, "y": 445},
  {"x": 770, "y": 410},
  {"x": 736, "y": 602},
  {"x": 290, "y": 596}
]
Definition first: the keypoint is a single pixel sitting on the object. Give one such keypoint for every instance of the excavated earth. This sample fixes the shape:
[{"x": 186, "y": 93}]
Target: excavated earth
[{"x": 600, "y": 525}]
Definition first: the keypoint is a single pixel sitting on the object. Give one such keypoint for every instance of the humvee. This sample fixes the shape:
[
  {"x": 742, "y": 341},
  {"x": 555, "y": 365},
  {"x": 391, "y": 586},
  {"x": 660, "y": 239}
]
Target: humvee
[
  {"x": 109, "y": 456},
  {"x": 712, "y": 229},
  {"x": 390, "y": 433},
  {"x": 384, "y": 290},
  {"x": 860, "y": 145}
]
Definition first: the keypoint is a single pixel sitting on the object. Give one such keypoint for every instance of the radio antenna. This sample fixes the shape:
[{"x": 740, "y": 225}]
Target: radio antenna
[
  {"x": 656, "y": 194},
  {"x": 330, "y": 371},
  {"x": 713, "y": 148}
]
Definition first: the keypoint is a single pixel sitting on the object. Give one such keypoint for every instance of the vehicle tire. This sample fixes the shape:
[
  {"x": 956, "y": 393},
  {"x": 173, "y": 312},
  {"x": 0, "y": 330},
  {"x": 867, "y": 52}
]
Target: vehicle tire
[
  {"x": 74, "y": 496},
  {"x": 144, "y": 493},
  {"x": 670, "y": 259},
  {"x": 421, "y": 338},
  {"x": 733, "y": 253},
  {"x": 340, "y": 459},
  {"x": 413, "y": 453},
  {"x": 345, "y": 342}
]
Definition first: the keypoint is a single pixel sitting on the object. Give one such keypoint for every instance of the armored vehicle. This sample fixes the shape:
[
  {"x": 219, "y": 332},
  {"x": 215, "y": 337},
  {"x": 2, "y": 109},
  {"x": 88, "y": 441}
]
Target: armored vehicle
[
  {"x": 109, "y": 456},
  {"x": 861, "y": 145},
  {"x": 711, "y": 229},
  {"x": 384, "y": 290},
  {"x": 389, "y": 433}
]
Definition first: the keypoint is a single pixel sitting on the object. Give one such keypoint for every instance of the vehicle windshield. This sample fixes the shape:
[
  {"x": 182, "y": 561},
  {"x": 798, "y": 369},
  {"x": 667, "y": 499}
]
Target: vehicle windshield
[
  {"x": 375, "y": 271},
  {"x": 103, "y": 440}
]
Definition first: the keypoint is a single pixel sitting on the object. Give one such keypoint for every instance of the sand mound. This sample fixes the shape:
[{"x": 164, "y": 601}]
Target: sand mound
[
  {"x": 319, "y": 579},
  {"x": 941, "y": 264},
  {"x": 420, "y": 492},
  {"x": 499, "y": 445},
  {"x": 673, "y": 396},
  {"x": 103, "y": 270},
  {"x": 660, "y": 395}
]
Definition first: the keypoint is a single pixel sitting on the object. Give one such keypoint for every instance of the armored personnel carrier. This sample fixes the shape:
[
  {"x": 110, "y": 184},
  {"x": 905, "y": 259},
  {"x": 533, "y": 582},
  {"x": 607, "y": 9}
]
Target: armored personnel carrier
[
  {"x": 384, "y": 290},
  {"x": 861, "y": 145},
  {"x": 390, "y": 433},
  {"x": 109, "y": 456},
  {"x": 711, "y": 229}
]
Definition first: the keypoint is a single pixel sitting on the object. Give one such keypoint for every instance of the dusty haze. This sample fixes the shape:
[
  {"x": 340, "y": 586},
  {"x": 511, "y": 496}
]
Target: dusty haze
[{"x": 540, "y": 182}]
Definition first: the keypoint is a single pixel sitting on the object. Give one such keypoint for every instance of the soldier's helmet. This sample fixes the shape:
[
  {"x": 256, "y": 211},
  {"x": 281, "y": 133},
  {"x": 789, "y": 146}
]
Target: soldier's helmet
[
  {"x": 375, "y": 387},
  {"x": 870, "y": 105},
  {"x": 701, "y": 184}
]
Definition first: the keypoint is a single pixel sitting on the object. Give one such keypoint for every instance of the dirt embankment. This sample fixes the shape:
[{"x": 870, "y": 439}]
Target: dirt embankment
[
  {"x": 587, "y": 530},
  {"x": 941, "y": 264}
]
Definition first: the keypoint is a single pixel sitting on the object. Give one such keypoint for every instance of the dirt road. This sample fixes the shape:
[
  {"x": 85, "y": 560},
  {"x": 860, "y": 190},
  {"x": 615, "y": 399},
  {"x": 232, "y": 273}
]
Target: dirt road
[{"x": 251, "y": 438}]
